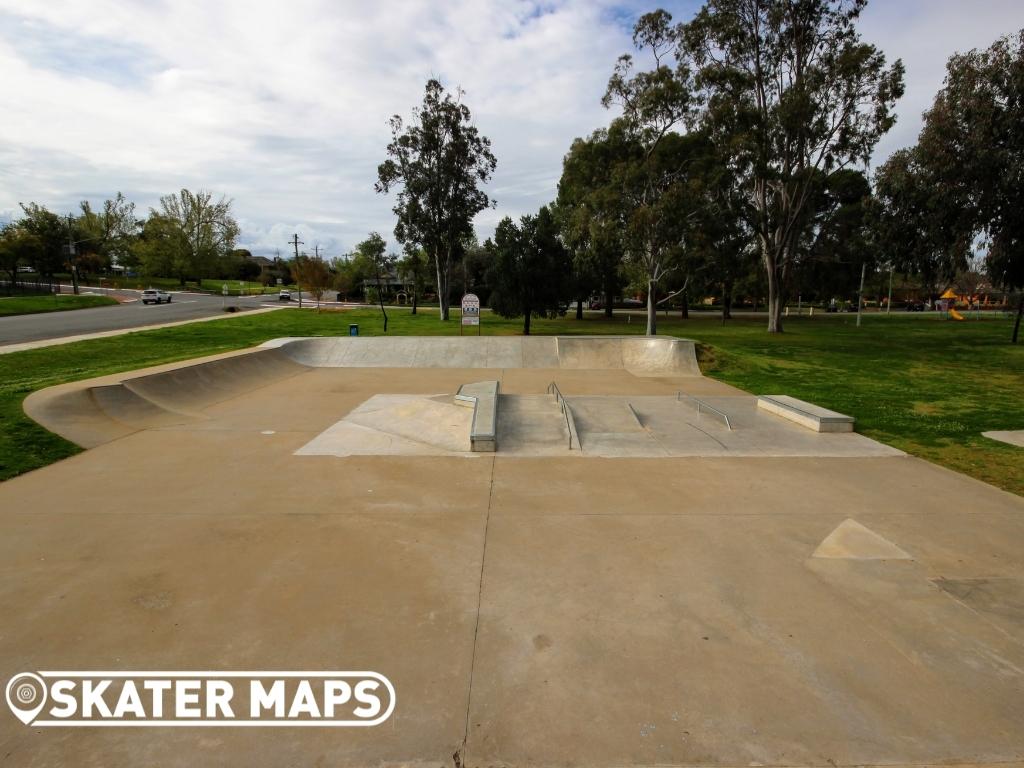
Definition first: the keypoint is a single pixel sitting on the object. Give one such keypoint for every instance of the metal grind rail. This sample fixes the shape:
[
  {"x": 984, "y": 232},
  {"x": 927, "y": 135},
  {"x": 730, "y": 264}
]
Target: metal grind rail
[
  {"x": 570, "y": 422},
  {"x": 702, "y": 406}
]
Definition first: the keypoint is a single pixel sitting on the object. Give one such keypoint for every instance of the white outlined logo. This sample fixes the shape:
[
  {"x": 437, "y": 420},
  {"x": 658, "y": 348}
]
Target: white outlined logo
[{"x": 200, "y": 699}]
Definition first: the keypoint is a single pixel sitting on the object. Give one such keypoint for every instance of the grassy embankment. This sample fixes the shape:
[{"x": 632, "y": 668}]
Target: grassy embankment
[
  {"x": 34, "y": 305},
  {"x": 923, "y": 384}
]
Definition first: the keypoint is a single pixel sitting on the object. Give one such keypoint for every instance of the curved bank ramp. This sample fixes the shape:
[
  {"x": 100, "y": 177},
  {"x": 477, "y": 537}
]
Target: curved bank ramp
[
  {"x": 641, "y": 356},
  {"x": 557, "y": 396}
]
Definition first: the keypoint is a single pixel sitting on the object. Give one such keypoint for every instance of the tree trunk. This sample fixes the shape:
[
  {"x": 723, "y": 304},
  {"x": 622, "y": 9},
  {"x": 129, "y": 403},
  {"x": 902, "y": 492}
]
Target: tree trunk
[
  {"x": 609, "y": 294},
  {"x": 1020, "y": 311},
  {"x": 726, "y": 301},
  {"x": 442, "y": 287},
  {"x": 652, "y": 309},
  {"x": 774, "y": 298},
  {"x": 579, "y": 309},
  {"x": 685, "y": 314},
  {"x": 526, "y": 322},
  {"x": 380, "y": 299}
]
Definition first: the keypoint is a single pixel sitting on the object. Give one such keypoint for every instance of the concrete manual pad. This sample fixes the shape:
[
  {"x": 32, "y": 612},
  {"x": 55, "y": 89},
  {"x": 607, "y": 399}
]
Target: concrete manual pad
[
  {"x": 530, "y": 610},
  {"x": 1013, "y": 437}
]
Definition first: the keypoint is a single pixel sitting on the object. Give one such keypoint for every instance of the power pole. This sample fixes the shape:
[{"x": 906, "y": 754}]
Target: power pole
[
  {"x": 296, "y": 242},
  {"x": 71, "y": 249}
]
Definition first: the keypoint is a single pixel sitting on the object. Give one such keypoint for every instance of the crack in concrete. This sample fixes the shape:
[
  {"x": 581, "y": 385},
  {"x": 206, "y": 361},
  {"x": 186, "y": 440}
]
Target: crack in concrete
[{"x": 459, "y": 756}]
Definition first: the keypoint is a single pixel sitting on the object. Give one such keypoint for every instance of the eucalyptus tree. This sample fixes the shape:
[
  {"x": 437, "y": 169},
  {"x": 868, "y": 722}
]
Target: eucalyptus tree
[
  {"x": 657, "y": 176},
  {"x": 198, "y": 231},
  {"x": 438, "y": 163},
  {"x": 789, "y": 87},
  {"x": 921, "y": 223},
  {"x": 48, "y": 234},
  {"x": 17, "y": 247},
  {"x": 972, "y": 146},
  {"x": 110, "y": 231},
  {"x": 588, "y": 212}
]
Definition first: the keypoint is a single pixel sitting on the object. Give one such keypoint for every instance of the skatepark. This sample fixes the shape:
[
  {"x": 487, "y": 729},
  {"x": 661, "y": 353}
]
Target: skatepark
[{"x": 560, "y": 550}]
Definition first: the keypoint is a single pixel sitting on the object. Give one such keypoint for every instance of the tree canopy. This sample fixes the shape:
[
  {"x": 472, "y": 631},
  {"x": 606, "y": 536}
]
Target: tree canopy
[
  {"x": 790, "y": 89},
  {"x": 438, "y": 162},
  {"x": 530, "y": 270}
]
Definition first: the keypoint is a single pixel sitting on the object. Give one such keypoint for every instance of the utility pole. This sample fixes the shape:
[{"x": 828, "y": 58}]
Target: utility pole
[
  {"x": 860, "y": 293},
  {"x": 71, "y": 256},
  {"x": 296, "y": 242}
]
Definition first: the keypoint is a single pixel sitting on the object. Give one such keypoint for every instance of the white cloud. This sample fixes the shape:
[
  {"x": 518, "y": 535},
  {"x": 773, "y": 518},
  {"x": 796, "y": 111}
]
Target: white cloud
[
  {"x": 925, "y": 33},
  {"x": 283, "y": 106}
]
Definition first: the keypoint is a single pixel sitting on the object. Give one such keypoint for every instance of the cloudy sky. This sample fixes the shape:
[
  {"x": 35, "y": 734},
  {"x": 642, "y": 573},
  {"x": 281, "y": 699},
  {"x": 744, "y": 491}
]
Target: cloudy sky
[{"x": 283, "y": 106}]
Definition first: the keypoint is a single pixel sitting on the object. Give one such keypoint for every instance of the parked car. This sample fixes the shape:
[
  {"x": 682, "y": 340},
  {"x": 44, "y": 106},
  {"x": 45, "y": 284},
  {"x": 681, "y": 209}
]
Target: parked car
[
  {"x": 915, "y": 306},
  {"x": 155, "y": 296},
  {"x": 284, "y": 296}
]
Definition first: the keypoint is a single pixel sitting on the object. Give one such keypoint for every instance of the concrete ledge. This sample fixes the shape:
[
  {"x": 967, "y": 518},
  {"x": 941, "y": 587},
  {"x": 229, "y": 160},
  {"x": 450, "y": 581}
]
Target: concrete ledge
[
  {"x": 483, "y": 396},
  {"x": 806, "y": 414}
]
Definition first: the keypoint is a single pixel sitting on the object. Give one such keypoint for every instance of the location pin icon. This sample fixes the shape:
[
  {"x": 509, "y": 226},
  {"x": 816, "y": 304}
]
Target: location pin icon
[{"x": 26, "y": 695}]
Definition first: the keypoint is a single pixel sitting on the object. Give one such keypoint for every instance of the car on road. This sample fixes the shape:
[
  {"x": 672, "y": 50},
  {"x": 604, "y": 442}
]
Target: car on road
[
  {"x": 155, "y": 296},
  {"x": 284, "y": 296}
]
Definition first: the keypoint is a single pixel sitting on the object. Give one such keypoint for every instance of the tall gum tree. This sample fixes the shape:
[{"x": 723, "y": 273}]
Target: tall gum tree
[
  {"x": 206, "y": 231},
  {"x": 587, "y": 210},
  {"x": 438, "y": 163},
  {"x": 791, "y": 89},
  {"x": 655, "y": 169}
]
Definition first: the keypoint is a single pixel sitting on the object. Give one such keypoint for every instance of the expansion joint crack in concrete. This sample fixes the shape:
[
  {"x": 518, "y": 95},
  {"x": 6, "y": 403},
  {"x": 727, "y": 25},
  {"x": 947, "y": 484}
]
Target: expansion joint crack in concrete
[{"x": 460, "y": 753}]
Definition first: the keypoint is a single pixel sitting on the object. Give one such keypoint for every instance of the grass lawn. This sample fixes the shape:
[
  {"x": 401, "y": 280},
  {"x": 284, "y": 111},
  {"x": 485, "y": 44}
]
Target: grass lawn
[
  {"x": 923, "y": 384},
  {"x": 33, "y": 305}
]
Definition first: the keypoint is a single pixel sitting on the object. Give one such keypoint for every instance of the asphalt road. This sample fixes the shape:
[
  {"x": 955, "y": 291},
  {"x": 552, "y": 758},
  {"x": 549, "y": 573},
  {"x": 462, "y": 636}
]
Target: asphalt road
[{"x": 54, "y": 325}]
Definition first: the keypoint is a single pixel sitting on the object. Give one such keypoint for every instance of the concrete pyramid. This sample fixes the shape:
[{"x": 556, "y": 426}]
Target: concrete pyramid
[{"x": 852, "y": 541}]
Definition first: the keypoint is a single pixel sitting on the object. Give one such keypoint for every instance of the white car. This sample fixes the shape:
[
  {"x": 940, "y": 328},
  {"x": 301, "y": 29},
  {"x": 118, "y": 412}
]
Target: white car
[
  {"x": 284, "y": 296},
  {"x": 154, "y": 296}
]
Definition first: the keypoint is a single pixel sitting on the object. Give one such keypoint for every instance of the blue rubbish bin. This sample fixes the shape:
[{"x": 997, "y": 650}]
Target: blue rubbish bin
[{"x": 353, "y": 329}]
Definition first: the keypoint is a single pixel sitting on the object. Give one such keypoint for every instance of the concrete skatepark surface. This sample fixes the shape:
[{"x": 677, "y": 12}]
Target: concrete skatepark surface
[{"x": 718, "y": 608}]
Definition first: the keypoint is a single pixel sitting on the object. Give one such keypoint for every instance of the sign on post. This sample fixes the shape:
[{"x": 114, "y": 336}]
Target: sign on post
[{"x": 471, "y": 311}]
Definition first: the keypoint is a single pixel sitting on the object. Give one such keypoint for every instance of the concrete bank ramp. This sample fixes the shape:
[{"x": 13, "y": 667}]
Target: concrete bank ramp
[
  {"x": 96, "y": 411},
  {"x": 641, "y": 356}
]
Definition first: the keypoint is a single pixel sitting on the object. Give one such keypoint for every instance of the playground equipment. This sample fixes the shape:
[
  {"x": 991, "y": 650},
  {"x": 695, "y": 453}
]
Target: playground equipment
[{"x": 954, "y": 315}]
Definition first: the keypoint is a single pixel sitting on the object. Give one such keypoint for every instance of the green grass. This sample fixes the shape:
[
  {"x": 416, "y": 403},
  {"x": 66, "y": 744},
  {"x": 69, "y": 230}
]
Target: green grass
[
  {"x": 34, "y": 305},
  {"x": 922, "y": 384}
]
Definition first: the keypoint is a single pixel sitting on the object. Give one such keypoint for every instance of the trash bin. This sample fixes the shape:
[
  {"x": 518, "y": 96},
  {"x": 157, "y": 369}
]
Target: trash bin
[{"x": 353, "y": 329}]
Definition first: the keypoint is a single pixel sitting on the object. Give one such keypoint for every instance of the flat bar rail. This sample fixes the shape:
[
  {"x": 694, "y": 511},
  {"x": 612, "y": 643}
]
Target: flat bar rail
[
  {"x": 570, "y": 422},
  {"x": 702, "y": 406}
]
